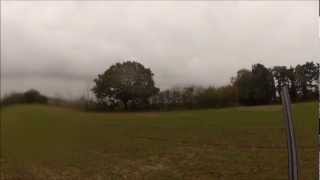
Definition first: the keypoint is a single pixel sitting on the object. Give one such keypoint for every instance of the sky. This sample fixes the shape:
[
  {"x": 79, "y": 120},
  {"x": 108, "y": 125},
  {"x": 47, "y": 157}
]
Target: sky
[{"x": 60, "y": 47}]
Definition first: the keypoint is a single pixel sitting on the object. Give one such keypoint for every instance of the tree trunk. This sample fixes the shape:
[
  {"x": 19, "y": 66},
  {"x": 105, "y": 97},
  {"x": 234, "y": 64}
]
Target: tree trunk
[{"x": 125, "y": 105}]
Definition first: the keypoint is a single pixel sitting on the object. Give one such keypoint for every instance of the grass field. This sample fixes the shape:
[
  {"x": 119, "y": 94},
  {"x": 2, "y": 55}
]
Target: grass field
[{"x": 244, "y": 143}]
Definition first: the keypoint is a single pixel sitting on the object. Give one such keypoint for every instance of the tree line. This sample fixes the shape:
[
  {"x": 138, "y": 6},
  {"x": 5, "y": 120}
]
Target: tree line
[
  {"x": 130, "y": 86},
  {"x": 256, "y": 86},
  {"x": 31, "y": 96}
]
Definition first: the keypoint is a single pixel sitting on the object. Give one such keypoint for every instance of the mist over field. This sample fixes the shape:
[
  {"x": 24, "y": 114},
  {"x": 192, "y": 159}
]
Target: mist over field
[{"x": 59, "y": 47}]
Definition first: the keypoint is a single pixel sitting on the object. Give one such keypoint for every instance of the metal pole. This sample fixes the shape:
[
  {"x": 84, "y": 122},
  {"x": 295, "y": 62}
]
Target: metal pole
[
  {"x": 318, "y": 157},
  {"x": 292, "y": 147}
]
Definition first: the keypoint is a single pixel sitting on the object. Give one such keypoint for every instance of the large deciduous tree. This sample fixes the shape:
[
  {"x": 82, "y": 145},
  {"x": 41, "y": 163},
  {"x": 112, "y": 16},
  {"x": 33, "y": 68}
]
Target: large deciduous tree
[
  {"x": 244, "y": 84},
  {"x": 307, "y": 76},
  {"x": 285, "y": 77},
  {"x": 264, "y": 89},
  {"x": 255, "y": 86},
  {"x": 281, "y": 76},
  {"x": 127, "y": 82}
]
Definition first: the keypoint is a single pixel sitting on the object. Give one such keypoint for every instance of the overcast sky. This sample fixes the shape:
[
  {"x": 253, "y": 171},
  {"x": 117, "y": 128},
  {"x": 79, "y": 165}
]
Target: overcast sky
[{"x": 59, "y": 47}]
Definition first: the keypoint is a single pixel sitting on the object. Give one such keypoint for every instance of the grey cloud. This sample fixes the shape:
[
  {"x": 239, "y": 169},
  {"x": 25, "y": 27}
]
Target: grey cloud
[{"x": 202, "y": 43}]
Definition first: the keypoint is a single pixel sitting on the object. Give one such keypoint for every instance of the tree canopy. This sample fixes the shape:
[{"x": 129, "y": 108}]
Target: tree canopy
[{"x": 129, "y": 83}]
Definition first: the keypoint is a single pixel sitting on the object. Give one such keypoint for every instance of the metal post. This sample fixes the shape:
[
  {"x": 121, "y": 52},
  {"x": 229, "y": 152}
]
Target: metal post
[{"x": 292, "y": 147}]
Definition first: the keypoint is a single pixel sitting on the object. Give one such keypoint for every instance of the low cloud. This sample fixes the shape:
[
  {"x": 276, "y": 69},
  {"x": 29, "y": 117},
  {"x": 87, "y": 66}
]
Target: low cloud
[{"x": 66, "y": 44}]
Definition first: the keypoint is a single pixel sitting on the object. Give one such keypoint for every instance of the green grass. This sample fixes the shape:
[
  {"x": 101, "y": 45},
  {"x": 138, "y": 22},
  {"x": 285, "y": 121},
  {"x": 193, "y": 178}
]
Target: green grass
[{"x": 42, "y": 142}]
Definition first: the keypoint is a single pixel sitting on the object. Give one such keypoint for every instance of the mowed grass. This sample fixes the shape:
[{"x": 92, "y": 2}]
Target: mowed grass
[{"x": 43, "y": 142}]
